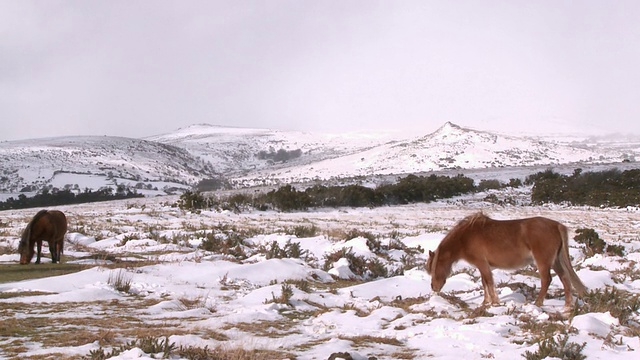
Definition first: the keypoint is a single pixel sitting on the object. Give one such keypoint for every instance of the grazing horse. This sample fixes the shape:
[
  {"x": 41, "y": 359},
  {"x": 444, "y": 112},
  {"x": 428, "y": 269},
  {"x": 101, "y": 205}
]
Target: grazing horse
[
  {"x": 508, "y": 244},
  {"x": 49, "y": 225}
]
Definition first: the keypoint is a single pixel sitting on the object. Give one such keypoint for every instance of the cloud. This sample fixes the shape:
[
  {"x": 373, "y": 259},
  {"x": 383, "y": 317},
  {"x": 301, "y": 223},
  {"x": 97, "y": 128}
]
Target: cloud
[{"x": 148, "y": 67}]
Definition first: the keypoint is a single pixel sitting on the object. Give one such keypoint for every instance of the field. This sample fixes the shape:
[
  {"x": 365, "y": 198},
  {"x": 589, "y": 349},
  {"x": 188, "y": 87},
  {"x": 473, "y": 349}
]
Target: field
[{"x": 142, "y": 278}]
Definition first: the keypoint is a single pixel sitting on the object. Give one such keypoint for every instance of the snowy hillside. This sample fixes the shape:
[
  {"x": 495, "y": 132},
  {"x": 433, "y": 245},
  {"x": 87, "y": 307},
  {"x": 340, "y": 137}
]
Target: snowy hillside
[
  {"x": 94, "y": 162},
  {"x": 454, "y": 147},
  {"x": 235, "y": 151},
  {"x": 248, "y": 157}
]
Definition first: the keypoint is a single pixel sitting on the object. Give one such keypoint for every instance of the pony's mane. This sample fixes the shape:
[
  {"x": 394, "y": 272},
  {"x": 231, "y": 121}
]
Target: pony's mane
[
  {"x": 478, "y": 218},
  {"x": 474, "y": 218},
  {"x": 26, "y": 234}
]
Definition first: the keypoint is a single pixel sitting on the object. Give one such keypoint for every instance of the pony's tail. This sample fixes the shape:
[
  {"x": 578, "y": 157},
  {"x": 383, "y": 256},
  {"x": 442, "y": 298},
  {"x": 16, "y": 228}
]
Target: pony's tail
[{"x": 565, "y": 262}]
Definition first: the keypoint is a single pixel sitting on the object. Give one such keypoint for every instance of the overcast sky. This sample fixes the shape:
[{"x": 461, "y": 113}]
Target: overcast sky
[{"x": 141, "y": 68}]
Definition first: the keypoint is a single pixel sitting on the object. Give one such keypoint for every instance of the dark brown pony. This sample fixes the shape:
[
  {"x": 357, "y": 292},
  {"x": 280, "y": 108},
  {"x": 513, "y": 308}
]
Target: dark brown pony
[
  {"x": 49, "y": 225},
  {"x": 509, "y": 244}
]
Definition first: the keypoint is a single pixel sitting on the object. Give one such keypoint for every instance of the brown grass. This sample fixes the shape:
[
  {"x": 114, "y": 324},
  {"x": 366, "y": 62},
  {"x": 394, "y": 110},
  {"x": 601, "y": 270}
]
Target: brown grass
[
  {"x": 364, "y": 340},
  {"x": 17, "y": 272},
  {"x": 264, "y": 328}
]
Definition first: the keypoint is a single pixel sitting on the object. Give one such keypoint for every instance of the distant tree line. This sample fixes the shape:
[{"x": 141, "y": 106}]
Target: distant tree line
[
  {"x": 212, "y": 184},
  {"x": 606, "y": 188},
  {"x": 55, "y": 197},
  {"x": 613, "y": 188},
  {"x": 281, "y": 155},
  {"x": 410, "y": 189}
]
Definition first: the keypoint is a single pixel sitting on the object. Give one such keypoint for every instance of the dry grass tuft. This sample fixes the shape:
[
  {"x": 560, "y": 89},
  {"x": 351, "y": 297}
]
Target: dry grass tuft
[
  {"x": 264, "y": 328},
  {"x": 364, "y": 340}
]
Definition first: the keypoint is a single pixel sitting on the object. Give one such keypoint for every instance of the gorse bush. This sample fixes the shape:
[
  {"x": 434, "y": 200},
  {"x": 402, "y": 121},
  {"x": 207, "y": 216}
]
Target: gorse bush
[
  {"x": 604, "y": 188},
  {"x": 561, "y": 348},
  {"x": 620, "y": 304},
  {"x": 163, "y": 348},
  {"x": 359, "y": 265},
  {"x": 489, "y": 185},
  {"x": 303, "y": 231},
  {"x": 190, "y": 200},
  {"x": 593, "y": 244},
  {"x": 290, "y": 250},
  {"x": 286, "y": 293},
  {"x": 591, "y": 240},
  {"x": 225, "y": 240},
  {"x": 411, "y": 189}
]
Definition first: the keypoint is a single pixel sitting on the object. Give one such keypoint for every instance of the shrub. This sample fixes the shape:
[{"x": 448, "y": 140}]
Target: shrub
[
  {"x": 604, "y": 188},
  {"x": 560, "y": 348},
  {"x": 193, "y": 201},
  {"x": 373, "y": 243},
  {"x": 290, "y": 250},
  {"x": 592, "y": 241},
  {"x": 213, "y": 184},
  {"x": 618, "y": 250},
  {"x": 376, "y": 268},
  {"x": 410, "y": 189},
  {"x": 303, "y": 231},
  {"x": 287, "y": 198},
  {"x": 227, "y": 241},
  {"x": 286, "y": 292},
  {"x": 515, "y": 183},
  {"x": 359, "y": 265},
  {"x": 619, "y": 303},
  {"x": 485, "y": 185},
  {"x": 148, "y": 344}
]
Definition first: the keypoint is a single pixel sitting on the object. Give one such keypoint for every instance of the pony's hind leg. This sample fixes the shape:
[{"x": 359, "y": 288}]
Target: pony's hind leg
[
  {"x": 59, "y": 245},
  {"x": 566, "y": 283},
  {"x": 53, "y": 248},
  {"x": 545, "y": 281}
]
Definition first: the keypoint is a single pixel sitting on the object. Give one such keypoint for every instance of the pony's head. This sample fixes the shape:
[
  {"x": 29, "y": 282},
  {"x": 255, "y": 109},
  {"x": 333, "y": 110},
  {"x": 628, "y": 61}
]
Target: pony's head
[
  {"x": 438, "y": 269},
  {"x": 26, "y": 252}
]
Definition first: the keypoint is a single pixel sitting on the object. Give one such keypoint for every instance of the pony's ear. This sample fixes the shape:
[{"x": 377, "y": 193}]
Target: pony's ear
[{"x": 431, "y": 253}]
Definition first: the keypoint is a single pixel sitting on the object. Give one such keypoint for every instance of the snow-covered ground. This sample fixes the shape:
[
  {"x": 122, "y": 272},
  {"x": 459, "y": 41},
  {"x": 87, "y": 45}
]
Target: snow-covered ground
[{"x": 207, "y": 298}]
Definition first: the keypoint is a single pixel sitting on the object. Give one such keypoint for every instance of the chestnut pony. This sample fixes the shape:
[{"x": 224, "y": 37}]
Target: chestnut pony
[
  {"x": 506, "y": 244},
  {"x": 49, "y": 225}
]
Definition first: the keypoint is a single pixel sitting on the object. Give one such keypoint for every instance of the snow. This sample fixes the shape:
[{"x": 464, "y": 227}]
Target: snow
[
  {"x": 155, "y": 247},
  {"x": 339, "y": 312}
]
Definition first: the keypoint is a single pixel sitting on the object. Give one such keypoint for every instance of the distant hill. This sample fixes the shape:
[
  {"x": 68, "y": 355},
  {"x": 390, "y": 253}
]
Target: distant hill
[
  {"x": 180, "y": 159},
  {"x": 454, "y": 147},
  {"x": 236, "y": 151},
  {"x": 96, "y": 161}
]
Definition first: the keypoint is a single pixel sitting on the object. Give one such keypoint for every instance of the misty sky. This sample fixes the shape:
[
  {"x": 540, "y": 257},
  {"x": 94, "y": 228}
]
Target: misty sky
[{"x": 141, "y": 68}]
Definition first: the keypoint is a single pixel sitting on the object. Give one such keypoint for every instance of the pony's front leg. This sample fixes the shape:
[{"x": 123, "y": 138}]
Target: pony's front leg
[
  {"x": 38, "y": 253},
  {"x": 490, "y": 295}
]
